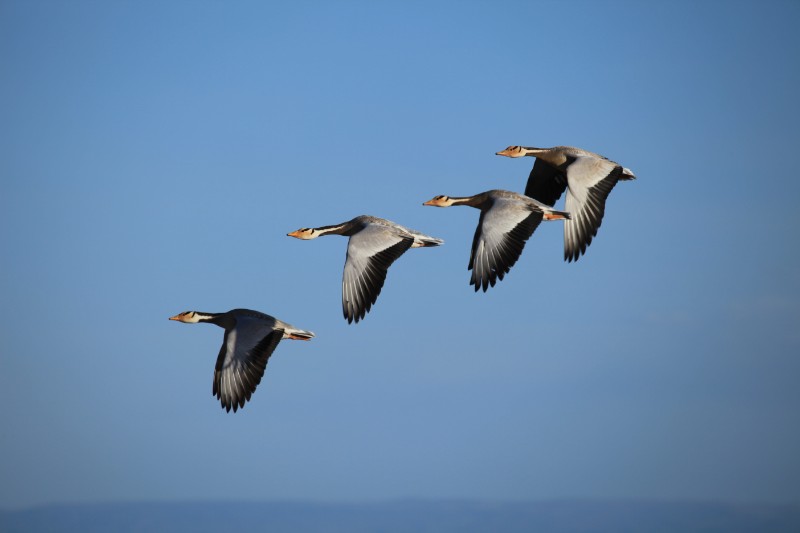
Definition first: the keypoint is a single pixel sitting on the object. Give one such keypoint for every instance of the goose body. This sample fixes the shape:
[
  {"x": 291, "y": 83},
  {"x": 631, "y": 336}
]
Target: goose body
[
  {"x": 588, "y": 179},
  {"x": 507, "y": 221},
  {"x": 250, "y": 338},
  {"x": 374, "y": 244}
]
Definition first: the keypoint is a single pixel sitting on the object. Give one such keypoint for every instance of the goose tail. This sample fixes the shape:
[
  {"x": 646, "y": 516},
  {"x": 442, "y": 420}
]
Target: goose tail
[
  {"x": 627, "y": 174},
  {"x": 552, "y": 214},
  {"x": 431, "y": 241},
  {"x": 298, "y": 334},
  {"x": 424, "y": 241}
]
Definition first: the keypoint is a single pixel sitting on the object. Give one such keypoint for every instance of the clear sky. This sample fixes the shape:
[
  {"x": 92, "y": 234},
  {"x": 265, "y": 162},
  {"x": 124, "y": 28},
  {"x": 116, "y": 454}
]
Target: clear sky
[{"x": 153, "y": 156}]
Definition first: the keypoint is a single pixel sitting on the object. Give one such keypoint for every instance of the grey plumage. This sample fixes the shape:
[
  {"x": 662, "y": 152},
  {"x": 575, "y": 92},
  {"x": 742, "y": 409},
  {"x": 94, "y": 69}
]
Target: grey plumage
[
  {"x": 374, "y": 244},
  {"x": 250, "y": 339},
  {"x": 587, "y": 178},
  {"x": 507, "y": 221}
]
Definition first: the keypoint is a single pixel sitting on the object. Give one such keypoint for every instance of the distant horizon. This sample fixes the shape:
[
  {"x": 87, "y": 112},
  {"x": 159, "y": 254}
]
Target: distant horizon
[
  {"x": 413, "y": 500},
  {"x": 438, "y": 517}
]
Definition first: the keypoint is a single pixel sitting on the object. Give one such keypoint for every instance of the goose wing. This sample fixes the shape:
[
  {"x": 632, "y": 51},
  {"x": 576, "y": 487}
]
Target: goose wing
[
  {"x": 242, "y": 360},
  {"x": 546, "y": 183},
  {"x": 370, "y": 253},
  {"x": 590, "y": 181},
  {"x": 499, "y": 240}
]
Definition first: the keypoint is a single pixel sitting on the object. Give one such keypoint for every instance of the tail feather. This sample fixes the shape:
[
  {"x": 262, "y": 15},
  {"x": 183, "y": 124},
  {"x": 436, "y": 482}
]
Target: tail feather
[
  {"x": 432, "y": 241},
  {"x": 299, "y": 334},
  {"x": 627, "y": 174},
  {"x": 425, "y": 241},
  {"x": 556, "y": 215}
]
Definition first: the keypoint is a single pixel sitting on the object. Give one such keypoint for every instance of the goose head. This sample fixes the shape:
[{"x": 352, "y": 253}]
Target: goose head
[
  {"x": 513, "y": 151},
  {"x": 190, "y": 317},
  {"x": 440, "y": 201},
  {"x": 305, "y": 234}
]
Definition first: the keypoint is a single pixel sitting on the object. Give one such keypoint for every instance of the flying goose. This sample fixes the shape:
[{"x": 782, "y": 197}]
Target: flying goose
[
  {"x": 250, "y": 338},
  {"x": 588, "y": 179},
  {"x": 374, "y": 244},
  {"x": 508, "y": 219}
]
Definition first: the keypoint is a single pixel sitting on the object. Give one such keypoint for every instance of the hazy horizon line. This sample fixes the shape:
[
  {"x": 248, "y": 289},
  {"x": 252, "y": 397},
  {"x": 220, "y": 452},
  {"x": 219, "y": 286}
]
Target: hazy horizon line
[{"x": 407, "y": 500}]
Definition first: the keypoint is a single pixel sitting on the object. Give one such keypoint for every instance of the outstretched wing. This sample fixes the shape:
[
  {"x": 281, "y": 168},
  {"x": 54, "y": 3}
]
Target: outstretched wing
[
  {"x": 590, "y": 181},
  {"x": 370, "y": 253},
  {"x": 242, "y": 360},
  {"x": 499, "y": 240},
  {"x": 546, "y": 183}
]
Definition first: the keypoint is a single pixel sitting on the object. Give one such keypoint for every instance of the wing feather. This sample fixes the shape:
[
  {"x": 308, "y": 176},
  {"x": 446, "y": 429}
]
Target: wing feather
[
  {"x": 242, "y": 360},
  {"x": 370, "y": 253},
  {"x": 546, "y": 183},
  {"x": 499, "y": 240},
  {"x": 590, "y": 182}
]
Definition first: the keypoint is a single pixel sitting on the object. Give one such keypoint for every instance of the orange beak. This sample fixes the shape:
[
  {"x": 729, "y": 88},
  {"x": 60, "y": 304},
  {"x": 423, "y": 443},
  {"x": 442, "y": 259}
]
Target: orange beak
[
  {"x": 504, "y": 152},
  {"x": 176, "y": 317},
  {"x": 295, "y": 234}
]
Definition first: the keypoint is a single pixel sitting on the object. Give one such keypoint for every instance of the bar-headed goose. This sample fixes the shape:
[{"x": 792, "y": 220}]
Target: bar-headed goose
[
  {"x": 250, "y": 338},
  {"x": 508, "y": 219},
  {"x": 374, "y": 245},
  {"x": 588, "y": 179}
]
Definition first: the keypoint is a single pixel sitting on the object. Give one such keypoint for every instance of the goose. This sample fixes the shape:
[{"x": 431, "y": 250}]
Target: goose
[
  {"x": 508, "y": 219},
  {"x": 588, "y": 179},
  {"x": 375, "y": 243},
  {"x": 250, "y": 338}
]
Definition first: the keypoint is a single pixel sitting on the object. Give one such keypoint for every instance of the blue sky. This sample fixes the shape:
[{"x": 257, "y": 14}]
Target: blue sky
[{"x": 153, "y": 157}]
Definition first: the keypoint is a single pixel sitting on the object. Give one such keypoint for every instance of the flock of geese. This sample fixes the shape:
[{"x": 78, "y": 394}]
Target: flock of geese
[{"x": 507, "y": 221}]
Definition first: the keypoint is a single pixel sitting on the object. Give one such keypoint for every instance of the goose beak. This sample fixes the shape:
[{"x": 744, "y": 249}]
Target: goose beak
[
  {"x": 295, "y": 234},
  {"x": 503, "y": 152},
  {"x": 429, "y": 202},
  {"x": 176, "y": 317}
]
